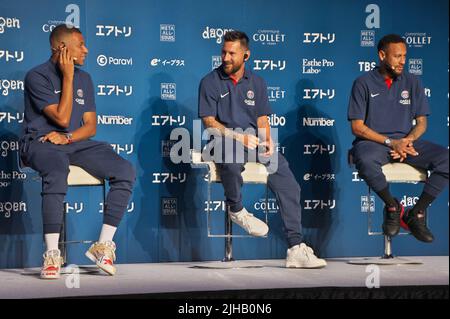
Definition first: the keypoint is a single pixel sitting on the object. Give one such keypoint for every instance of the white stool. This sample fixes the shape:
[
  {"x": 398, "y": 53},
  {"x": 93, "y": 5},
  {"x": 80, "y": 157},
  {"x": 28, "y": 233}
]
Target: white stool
[
  {"x": 395, "y": 173},
  {"x": 254, "y": 173},
  {"x": 77, "y": 177}
]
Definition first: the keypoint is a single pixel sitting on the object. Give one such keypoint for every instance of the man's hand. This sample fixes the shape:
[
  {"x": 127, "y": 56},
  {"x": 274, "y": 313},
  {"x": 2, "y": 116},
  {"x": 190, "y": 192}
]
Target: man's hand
[
  {"x": 270, "y": 147},
  {"x": 249, "y": 141},
  {"x": 402, "y": 148},
  {"x": 56, "y": 138},
  {"x": 65, "y": 63}
]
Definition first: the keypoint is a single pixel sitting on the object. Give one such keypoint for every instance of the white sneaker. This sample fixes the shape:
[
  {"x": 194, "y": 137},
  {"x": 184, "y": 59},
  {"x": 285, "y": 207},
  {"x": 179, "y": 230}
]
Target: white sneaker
[
  {"x": 103, "y": 254},
  {"x": 302, "y": 256},
  {"x": 51, "y": 269},
  {"x": 251, "y": 224}
]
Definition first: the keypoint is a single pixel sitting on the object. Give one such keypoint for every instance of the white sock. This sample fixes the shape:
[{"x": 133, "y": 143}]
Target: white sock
[
  {"x": 107, "y": 233},
  {"x": 51, "y": 241}
]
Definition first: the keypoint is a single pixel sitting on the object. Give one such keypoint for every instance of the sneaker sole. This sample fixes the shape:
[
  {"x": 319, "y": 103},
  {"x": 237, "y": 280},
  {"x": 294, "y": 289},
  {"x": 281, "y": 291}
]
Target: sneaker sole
[
  {"x": 296, "y": 265},
  {"x": 57, "y": 276},
  {"x": 254, "y": 234},
  {"x": 110, "y": 270}
]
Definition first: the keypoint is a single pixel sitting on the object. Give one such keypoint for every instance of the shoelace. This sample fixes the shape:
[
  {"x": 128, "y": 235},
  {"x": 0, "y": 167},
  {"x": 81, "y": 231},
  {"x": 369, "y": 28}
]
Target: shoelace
[
  {"x": 243, "y": 218},
  {"x": 51, "y": 259},
  {"x": 309, "y": 253},
  {"x": 107, "y": 250}
]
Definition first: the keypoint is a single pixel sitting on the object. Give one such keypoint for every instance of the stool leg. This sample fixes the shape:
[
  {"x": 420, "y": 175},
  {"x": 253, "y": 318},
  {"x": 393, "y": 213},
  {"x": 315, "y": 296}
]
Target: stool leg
[
  {"x": 387, "y": 247},
  {"x": 63, "y": 237},
  {"x": 228, "y": 238}
]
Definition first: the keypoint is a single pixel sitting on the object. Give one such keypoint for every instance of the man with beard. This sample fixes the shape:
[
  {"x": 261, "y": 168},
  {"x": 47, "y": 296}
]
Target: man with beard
[
  {"x": 233, "y": 103},
  {"x": 383, "y": 105}
]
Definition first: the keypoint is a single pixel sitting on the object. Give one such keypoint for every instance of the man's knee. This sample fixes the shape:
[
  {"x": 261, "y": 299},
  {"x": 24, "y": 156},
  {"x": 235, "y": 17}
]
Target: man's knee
[
  {"x": 55, "y": 180},
  {"x": 442, "y": 163},
  {"x": 233, "y": 169},
  {"x": 127, "y": 172},
  {"x": 367, "y": 162}
]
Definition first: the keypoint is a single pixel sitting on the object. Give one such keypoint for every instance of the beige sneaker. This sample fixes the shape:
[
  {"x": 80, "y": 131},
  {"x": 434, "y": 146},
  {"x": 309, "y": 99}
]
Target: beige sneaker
[
  {"x": 302, "y": 256},
  {"x": 103, "y": 255},
  {"x": 251, "y": 224},
  {"x": 52, "y": 264}
]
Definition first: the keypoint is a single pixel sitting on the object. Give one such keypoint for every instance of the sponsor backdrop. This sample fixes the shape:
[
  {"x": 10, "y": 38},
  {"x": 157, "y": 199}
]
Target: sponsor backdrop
[{"x": 146, "y": 60}]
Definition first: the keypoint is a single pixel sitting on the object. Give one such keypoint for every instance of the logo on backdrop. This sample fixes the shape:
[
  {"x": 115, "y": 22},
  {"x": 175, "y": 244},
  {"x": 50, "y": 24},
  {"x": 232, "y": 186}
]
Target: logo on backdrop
[
  {"x": 72, "y": 19},
  {"x": 275, "y": 93},
  {"x": 356, "y": 177},
  {"x": 166, "y": 146},
  {"x": 168, "y": 91},
  {"x": 268, "y": 37},
  {"x": 368, "y": 204},
  {"x": 312, "y": 94},
  {"x": 367, "y": 38},
  {"x": 417, "y": 39},
  {"x": 167, "y": 62},
  {"x": 409, "y": 201},
  {"x": 169, "y": 206},
  {"x": 271, "y": 205},
  {"x": 104, "y": 60},
  {"x": 319, "y": 204},
  {"x": 111, "y": 89},
  {"x": 113, "y": 30},
  {"x": 168, "y": 120},
  {"x": 415, "y": 66},
  {"x": 167, "y": 32},
  {"x": 373, "y": 19},
  {"x": 114, "y": 120},
  {"x": 14, "y": 56},
  {"x": 319, "y": 177},
  {"x": 7, "y": 85},
  {"x": 315, "y": 66},
  {"x": 275, "y": 120},
  {"x": 7, "y": 177},
  {"x": 214, "y": 206},
  {"x": 269, "y": 65},
  {"x": 319, "y": 149},
  {"x": 366, "y": 66},
  {"x": 169, "y": 178},
  {"x": 214, "y": 33},
  {"x": 125, "y": 148},
  {"x": 8, "y": 23},
  {"x": 317, "y": 37},
  {"x": 50, "y": 25},
  {"x": 8, "y": 146},
  {"x": 7, "y": 208},
  {"x": 317, "y": 121},
  {"x": 216, "y": 61}
]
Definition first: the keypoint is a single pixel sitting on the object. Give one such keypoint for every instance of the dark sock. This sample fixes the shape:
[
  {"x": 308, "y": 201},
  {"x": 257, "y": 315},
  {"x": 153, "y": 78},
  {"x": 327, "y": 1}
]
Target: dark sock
[
  {"x": 387, "y": 198},
  {"x": 422, "y": 204}
]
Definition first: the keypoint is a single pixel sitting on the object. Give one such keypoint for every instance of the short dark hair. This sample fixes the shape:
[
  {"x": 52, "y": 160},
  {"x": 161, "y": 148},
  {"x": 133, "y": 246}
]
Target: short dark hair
[
  {"x": 388, "y": 39},
  {"x": 61, "y": 30},
  {"x": 235, "y": 35}
]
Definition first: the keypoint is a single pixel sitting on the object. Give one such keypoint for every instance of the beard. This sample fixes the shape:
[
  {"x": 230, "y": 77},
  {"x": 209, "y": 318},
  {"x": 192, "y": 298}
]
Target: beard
[
  {"x": 226, "y": 68},
  {"x": 390, "y": 71}
]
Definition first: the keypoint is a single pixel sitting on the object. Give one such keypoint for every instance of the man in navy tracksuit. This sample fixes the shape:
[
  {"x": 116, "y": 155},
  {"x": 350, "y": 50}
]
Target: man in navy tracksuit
[
  {"x": 233, "y": 102},
  {"x": 60, "y": 119},
  {"x": 383, "y": 105}
]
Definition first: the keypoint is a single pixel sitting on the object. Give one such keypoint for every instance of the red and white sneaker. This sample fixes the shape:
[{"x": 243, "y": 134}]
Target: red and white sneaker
[
  {"x": 52, "y": 264},
  {"x": 103, "y": 255}
]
